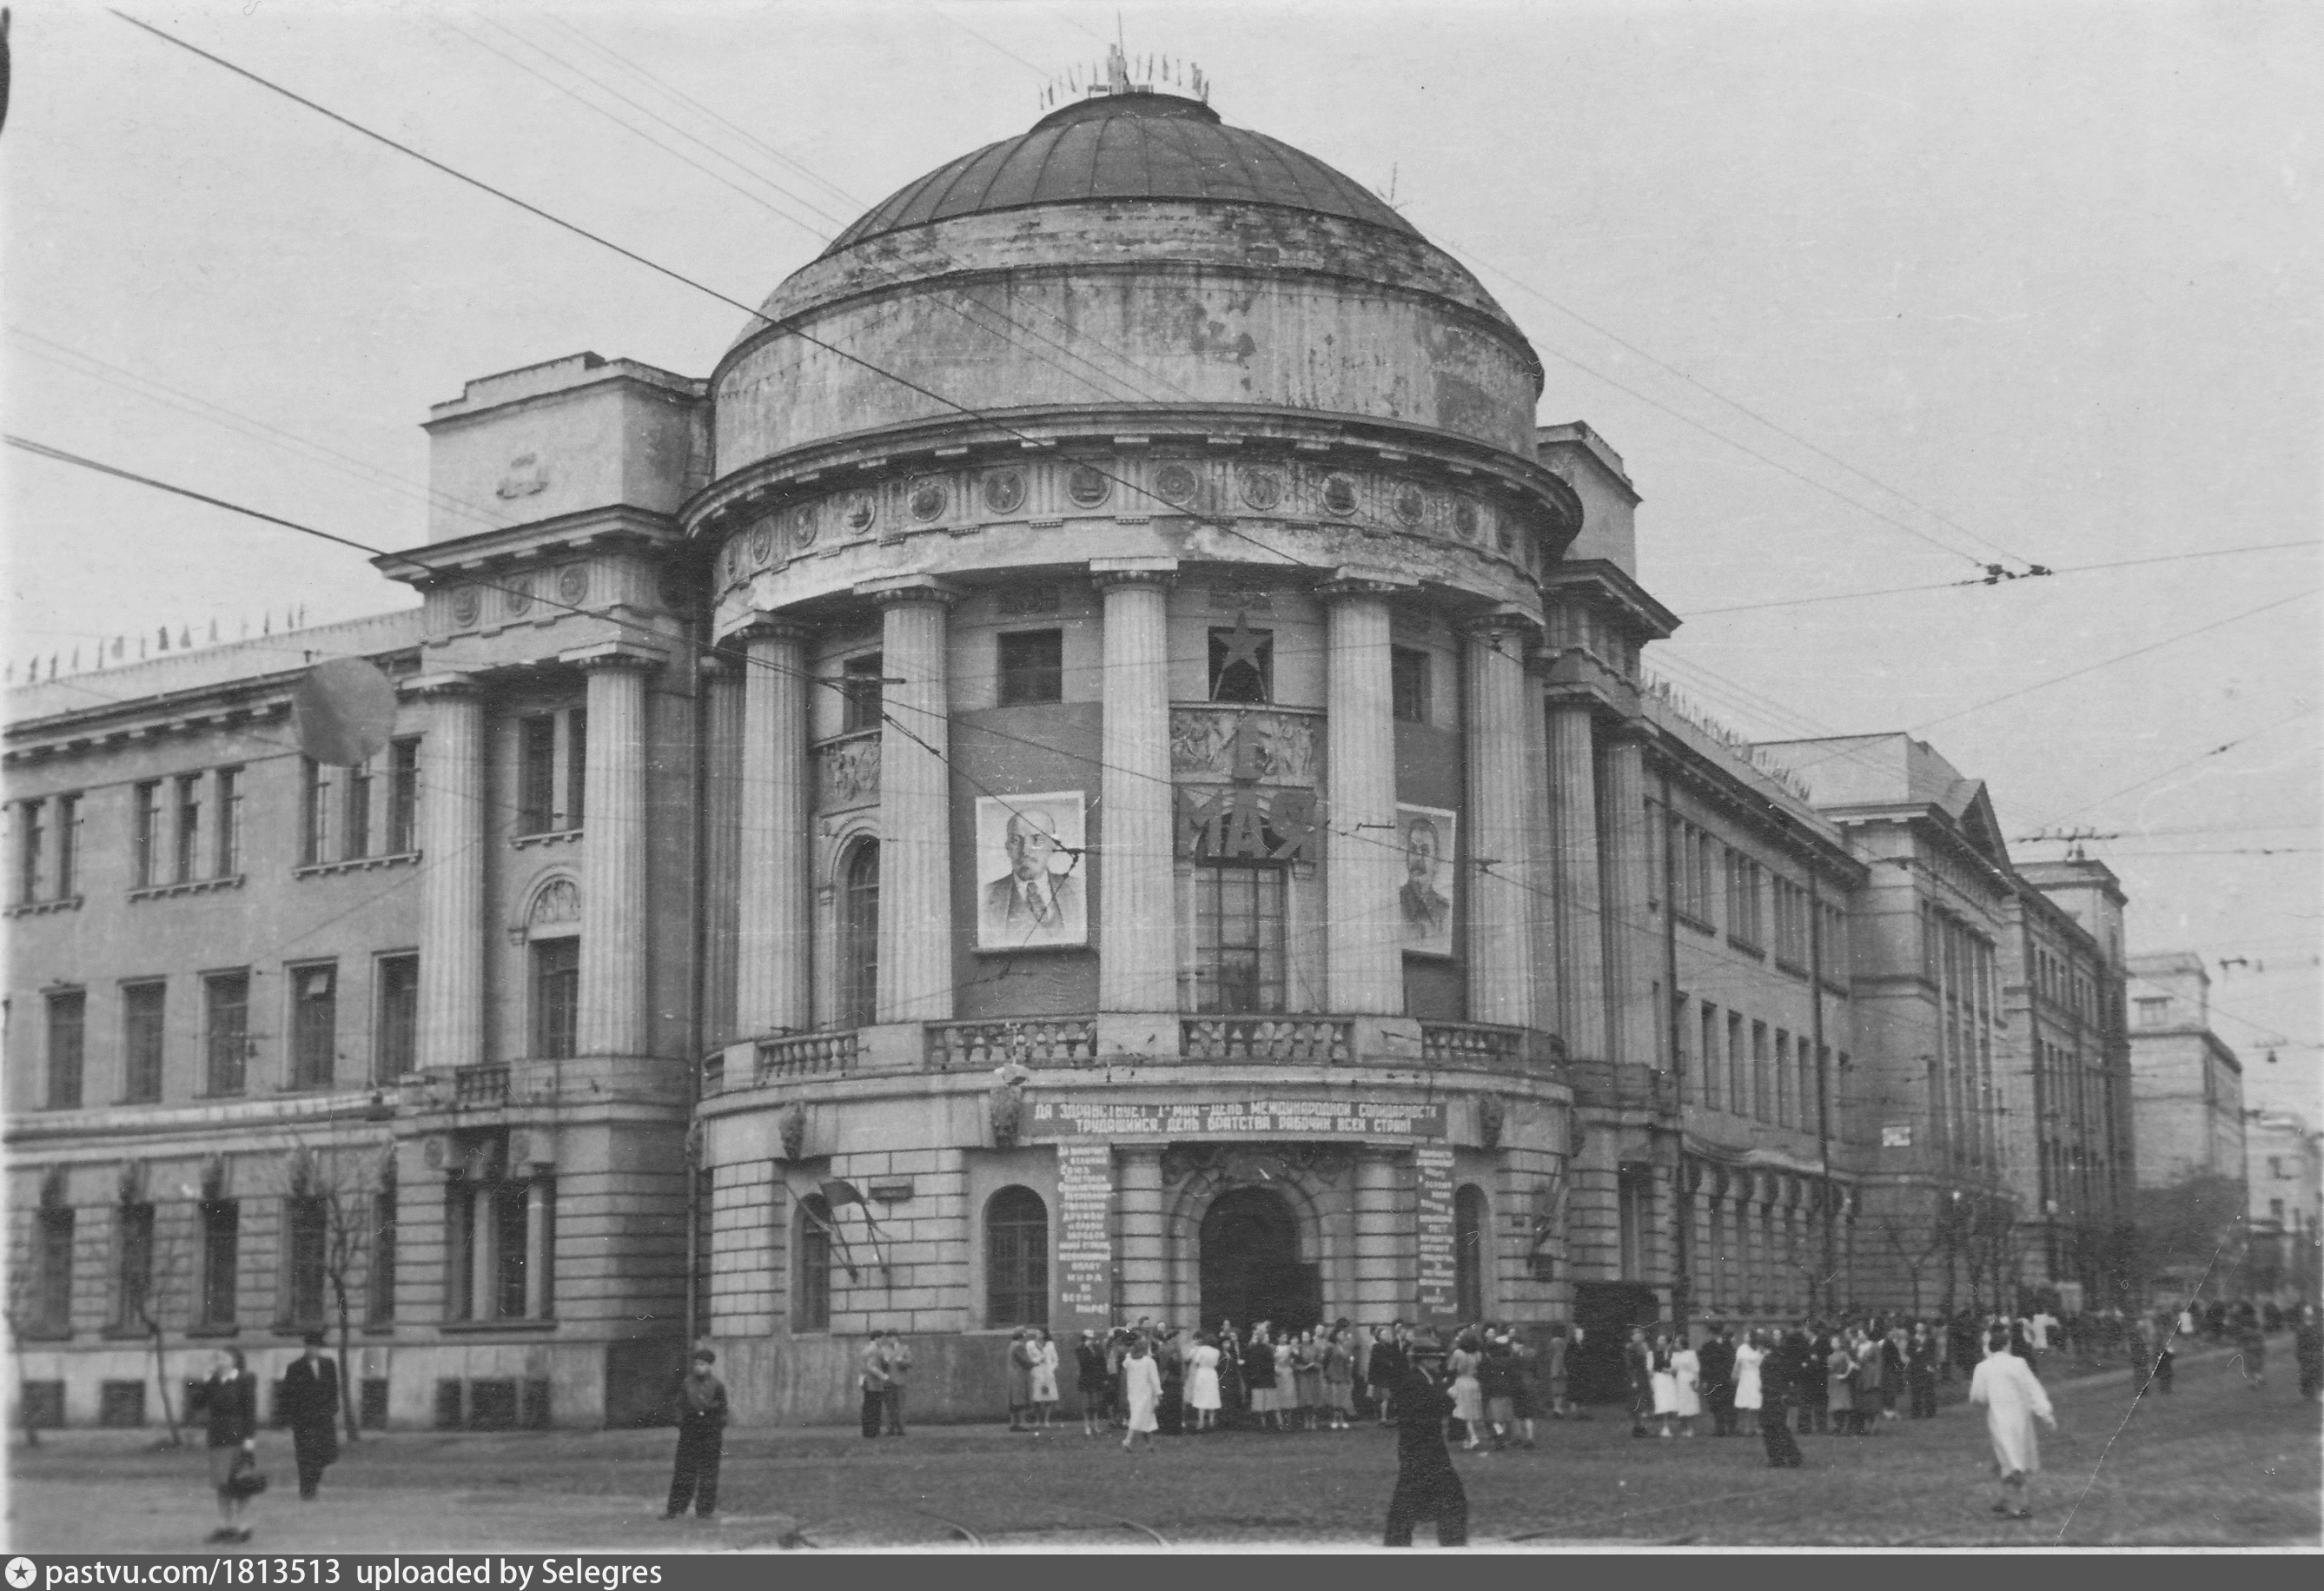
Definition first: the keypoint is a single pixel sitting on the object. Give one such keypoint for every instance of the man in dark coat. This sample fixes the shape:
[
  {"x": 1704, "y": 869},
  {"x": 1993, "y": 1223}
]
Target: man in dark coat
[
  {"x": 1779, "y": 1376},
  {"x": 1717, "y": 1356},
  {"x": 1639, "y": 1368},
  {"x": 1426, "y": 1484},
  {"x": 310, "y": 1408},
  {"x": 701, "y": 1440}
]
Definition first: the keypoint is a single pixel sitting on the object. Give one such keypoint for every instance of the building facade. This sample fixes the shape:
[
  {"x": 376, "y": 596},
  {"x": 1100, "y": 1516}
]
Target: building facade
[
  {"x": 1099, "y": 764},
  {"x": 2187, "y": 1097},
  {"x": 2285, "y": 1170}
]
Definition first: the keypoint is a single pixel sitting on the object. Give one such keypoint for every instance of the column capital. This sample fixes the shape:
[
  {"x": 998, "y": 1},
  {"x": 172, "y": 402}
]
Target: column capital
[
  {"x": 1506, "y": 619},
  {"x": 1353, "y": 580},
  {"x": 904, "y": 588},
  {"x": 767, "y": 627},
  {"x": 1106, "y": 573},
  {"x": 614, "y": 654},
  {"x": 440, "y": 687}
]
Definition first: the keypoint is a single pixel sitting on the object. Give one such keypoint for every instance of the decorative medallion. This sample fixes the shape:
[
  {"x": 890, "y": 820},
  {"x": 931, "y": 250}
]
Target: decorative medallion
[
  {"x": 803, "y": 526},
  {"x": 928, "y": 499},
  {"x": 517, "y": 594},
  {"x": 524, "y": 478},
  {"x": 1262, "y": 489},
  {"x": 1087, "y": 485},
  {"x": 573, "y": 582},
  {"x": 862, "y": 510},
  {"x": 467, "y": 605},
  {"x": 1465, "y": 520},
  {"x": 763, "y": 544},
  {"x": 1410, "y": 504},
  {"x": 1004, "y": 491},
  {"x": 1176, "y": 481},
  {"x": 434, "y": 1154},
  {"x": 1339, "y": 493}
]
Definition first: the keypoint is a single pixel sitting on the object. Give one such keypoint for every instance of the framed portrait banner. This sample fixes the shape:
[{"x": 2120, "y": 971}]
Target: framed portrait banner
[
  {"x": 1427, "y": 836},
  {"x": 1032, "y": 872}
]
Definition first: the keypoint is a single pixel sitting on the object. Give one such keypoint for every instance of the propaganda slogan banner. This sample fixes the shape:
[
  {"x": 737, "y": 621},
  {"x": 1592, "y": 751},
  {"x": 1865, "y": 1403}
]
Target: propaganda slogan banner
[
  {"x": 1436, "y": 1303},
  {"x": 1073, "y": 1116},
  {"x": 1085, "y": 1238}
]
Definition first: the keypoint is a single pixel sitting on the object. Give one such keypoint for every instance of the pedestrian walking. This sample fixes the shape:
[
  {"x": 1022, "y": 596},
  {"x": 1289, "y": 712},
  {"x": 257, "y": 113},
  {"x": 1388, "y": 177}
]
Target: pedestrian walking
[
  {"x": 1813, "y": 1346},
  {"x": 1426, "y": 1486},
  {"x": 2307, "y": 1351},
  {"x": 1202, "y": 1385},
  {"x": 1840, "y": 1387},
  {"x": 1762, "y": 1378},
  {"x": 1921, "y": 1355},
  {"x": 1686, "y": 1369},
  {"x": 701, "y": 1440},
  {"x": 2251, "y": 1344},
  {"x": 310, "y": 1407},
  {"x": 1092, "y": 1383},
  {"x": 1259, "y": 1376},
  {"x": 1525, "y": 1388},
  {"x": 896, "y": 1355},
  {"x": 2006, "y": 1389},
  {"x": 2166, "y": 1355},
  {"x": 228, "y": 1401},
  {"x": 1307, "y": 1368},
  {"x": 1468, "y": 1390},
  {"x": 1338, "y": 1380},
  {"x": 1637, "y": 1354},
  {"x": 1717, "y": 1357},
  {"x": 1021, "y": 1357},
  {"x": 1045, "y": 1377},
  {"x": 1141, "y": 1384}
]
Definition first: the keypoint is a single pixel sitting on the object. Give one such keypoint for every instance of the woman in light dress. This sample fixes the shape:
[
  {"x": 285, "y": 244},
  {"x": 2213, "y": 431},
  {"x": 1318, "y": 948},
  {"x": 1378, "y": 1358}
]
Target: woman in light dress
[
  {"x": 1467, "y": 1392},
  {"x": 1687, "y": 1368},
  {"x": 1203, "y": 1383},
  {"x": 1141, "y": 1385},
  {"x": 1748, "y": 1356},
  {"x": 1307, "y": 1365},
  {"x": 1286, "y": 1380},
  {"x": 1045, "y": 1379},
  {"x": 1662, "y": 1376},
  {"x": 2005, "y": 1387}
]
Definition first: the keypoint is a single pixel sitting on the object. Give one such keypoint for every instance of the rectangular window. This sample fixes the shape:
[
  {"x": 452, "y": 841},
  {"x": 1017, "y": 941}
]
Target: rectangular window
[
  {"x": 536, "y": 780},
  {"x": 225, "y": 1031},
  {"x": 359, "y": 834},
  {"x": 404, "y": 797},
  {"x": 2153, "y": 1014},
  {"x": 68, "y": 1029},
  {"x": 1762, "y": 1090},
  {"x": 556, "y": 997},
  {"x": 306, "y": 1224},
  {"x": 55, "y": 1277},
  {"x": 32, "y": 849},
  {"x": 1634, "y": 1216},
  {"x": 185, "y": 851},
  {"x": 395, "y": 1041},
  {"x": 1784, "y": 1112},
  {"x": 221, "y": 1260},
  {"x": 314, "y": 812},
  {"x": 1739, "y": 1078},
  {"x": 1243, "y": 665},
  {"x": 314, "y": 1025},
  {"x": 860, "y": 689},
  {"x": 67, "y": 846},
  {"x": 1744, "y": 927},
  {"x": 509, "y": 1251},
  {"x": 381, "y": 1304},
  {"x": 1238, "y": 938},
  {"x": 229, "y": 823},
  {"x": 145, "y": 835},
  {"x": 576, "y": 767},
  {"x": 460, "y": 1251},
  {"x": 1709, "y": 1084},
  {"x": 133, "y": 1264},
  {"x": 1032, "y": 667},
  {"x": 1407, "y": 678},
  {"x": 141, "y": 1047},
  {"x": 811, "y": 1291}
]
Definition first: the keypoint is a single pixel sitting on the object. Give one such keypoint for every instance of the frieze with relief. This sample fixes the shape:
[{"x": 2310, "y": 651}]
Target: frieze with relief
[
  {"x": 1275, "y": 747},
  {"x": 847, "y": 774}
]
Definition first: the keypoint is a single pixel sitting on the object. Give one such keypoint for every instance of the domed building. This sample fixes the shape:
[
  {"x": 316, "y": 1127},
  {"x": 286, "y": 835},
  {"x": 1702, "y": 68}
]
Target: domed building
[{"x": 1096, "y": 767}]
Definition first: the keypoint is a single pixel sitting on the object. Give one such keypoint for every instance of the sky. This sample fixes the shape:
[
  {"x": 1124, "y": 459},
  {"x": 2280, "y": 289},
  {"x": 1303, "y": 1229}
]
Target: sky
[{"x": 1868, "y": 296}]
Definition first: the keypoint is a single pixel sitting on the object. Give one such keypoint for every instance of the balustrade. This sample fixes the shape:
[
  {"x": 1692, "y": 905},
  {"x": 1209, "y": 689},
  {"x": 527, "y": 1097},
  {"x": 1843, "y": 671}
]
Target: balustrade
[
  {"x": 1035, "y": 1042},
  {"x": 1324, "y": 1040}
]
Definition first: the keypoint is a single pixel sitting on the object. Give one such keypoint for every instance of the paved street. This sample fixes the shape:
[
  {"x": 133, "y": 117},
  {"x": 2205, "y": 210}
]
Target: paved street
[{"x": 2215, "y": 1463}]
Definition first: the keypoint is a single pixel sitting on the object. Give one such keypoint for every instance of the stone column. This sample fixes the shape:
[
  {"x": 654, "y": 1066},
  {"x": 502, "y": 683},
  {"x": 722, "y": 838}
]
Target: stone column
[
  {"x": 1545, "y": 975},
  {"x": 1573, "y": 836},
  {"x": 1500, "y": 792},
  {"x": 1363, "y": 854},
  {"x": 1631, "y": 963},
  {"x": 537, "y": 1265},
  {"x": 915, "y": 804},
  {"x": 722, "y": 819},
  {"x": 615, "y": 911},
  {"x": 773, "y": 952},
  {"x": 484, "y": 1271},
  {"x": 452, "y": 876},
  {"x": 1384, "y": 1281},
  {"x": 1137, "y": 1251},
  {"x": 1136, "y": 938}
]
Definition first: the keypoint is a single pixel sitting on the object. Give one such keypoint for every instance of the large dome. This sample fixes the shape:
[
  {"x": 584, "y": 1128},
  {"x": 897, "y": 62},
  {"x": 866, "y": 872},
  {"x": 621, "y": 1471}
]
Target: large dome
[{"x": 1125, "y": 146}]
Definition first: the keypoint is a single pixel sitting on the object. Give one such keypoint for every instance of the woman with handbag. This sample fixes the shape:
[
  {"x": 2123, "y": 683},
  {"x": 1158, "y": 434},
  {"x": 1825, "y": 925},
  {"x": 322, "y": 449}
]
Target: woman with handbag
[{"x": 228, "y": 1401}]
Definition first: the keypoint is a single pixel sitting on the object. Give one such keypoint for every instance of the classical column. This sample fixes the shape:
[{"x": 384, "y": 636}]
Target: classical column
[
  {"x": 1385, "y": 1281},
  {"x": 915, "y": 804},
  {"x": 1545, "y": 975},
  {"x": 452, "y": 876},
  {"x": 1138, "y": 916},
  {"x": 1138, "y": 1198},
  {"x": 538, "y": 1272},
  {"x": 773, "y": 962},
  {"x": 615, "y": 911},
  {"x": 1573, "y": 836},
  {"x": 1499, "y": 791},
  {"x": 1363, "y": 854},
  {"x": 483, "y": 1268},
  {"x": 1630, "y": 961},
  {"x": 722, "y": 819}
]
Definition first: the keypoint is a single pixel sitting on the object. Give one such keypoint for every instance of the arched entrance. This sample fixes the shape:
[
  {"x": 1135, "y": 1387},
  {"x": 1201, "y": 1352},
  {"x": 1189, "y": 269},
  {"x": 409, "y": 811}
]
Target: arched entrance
[{"x": 1249, "y": 1263}]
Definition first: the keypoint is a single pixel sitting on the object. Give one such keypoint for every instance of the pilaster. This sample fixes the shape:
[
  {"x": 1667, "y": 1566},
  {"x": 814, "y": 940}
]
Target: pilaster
[
  {"x": 916, "y": 928},
  {"x": 1137, "y": 907},
  {"x": 1363, "y": 854},
  {"x": 1501, "y": 793},
  {"x": 611, "y": 1020},
  {"x": 452, "y": 882},
  {"x": 773, "y": 952}
]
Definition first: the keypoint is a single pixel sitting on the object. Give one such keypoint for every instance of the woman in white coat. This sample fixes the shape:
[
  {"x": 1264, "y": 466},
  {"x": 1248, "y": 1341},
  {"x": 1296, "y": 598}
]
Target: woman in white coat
[
  {"x": 1662, "y": 1368},
  {"x": 1687, "y": 1368},
  {"x": 1142, "y": 1388},
  {"x": 1203, "y": 1383},
  {"x": 2005, "y": 1387}
]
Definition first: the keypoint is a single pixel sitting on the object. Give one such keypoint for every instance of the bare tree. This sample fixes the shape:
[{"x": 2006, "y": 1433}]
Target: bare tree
[
  {"x": 24, "y": 1320},
  {"x": 1916, "y": 1244},
  {"x": 340, "y": 1184},
  {"x": 147, "y": 1300}
]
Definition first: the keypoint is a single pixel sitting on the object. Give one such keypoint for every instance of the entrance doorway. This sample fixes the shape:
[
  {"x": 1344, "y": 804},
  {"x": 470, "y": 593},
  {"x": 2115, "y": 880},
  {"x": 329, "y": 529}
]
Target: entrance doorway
[{"x": 1251, "y": 1267}]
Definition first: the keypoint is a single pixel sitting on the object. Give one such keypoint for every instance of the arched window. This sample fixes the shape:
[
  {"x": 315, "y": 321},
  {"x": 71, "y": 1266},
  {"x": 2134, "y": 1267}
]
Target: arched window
[
  {"x": 811, "y": 1270},
  {"x": 1016, "y": 1259},
  {"x": 1469, "y": 1253},
  {"x": 858, "y": 935}
]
